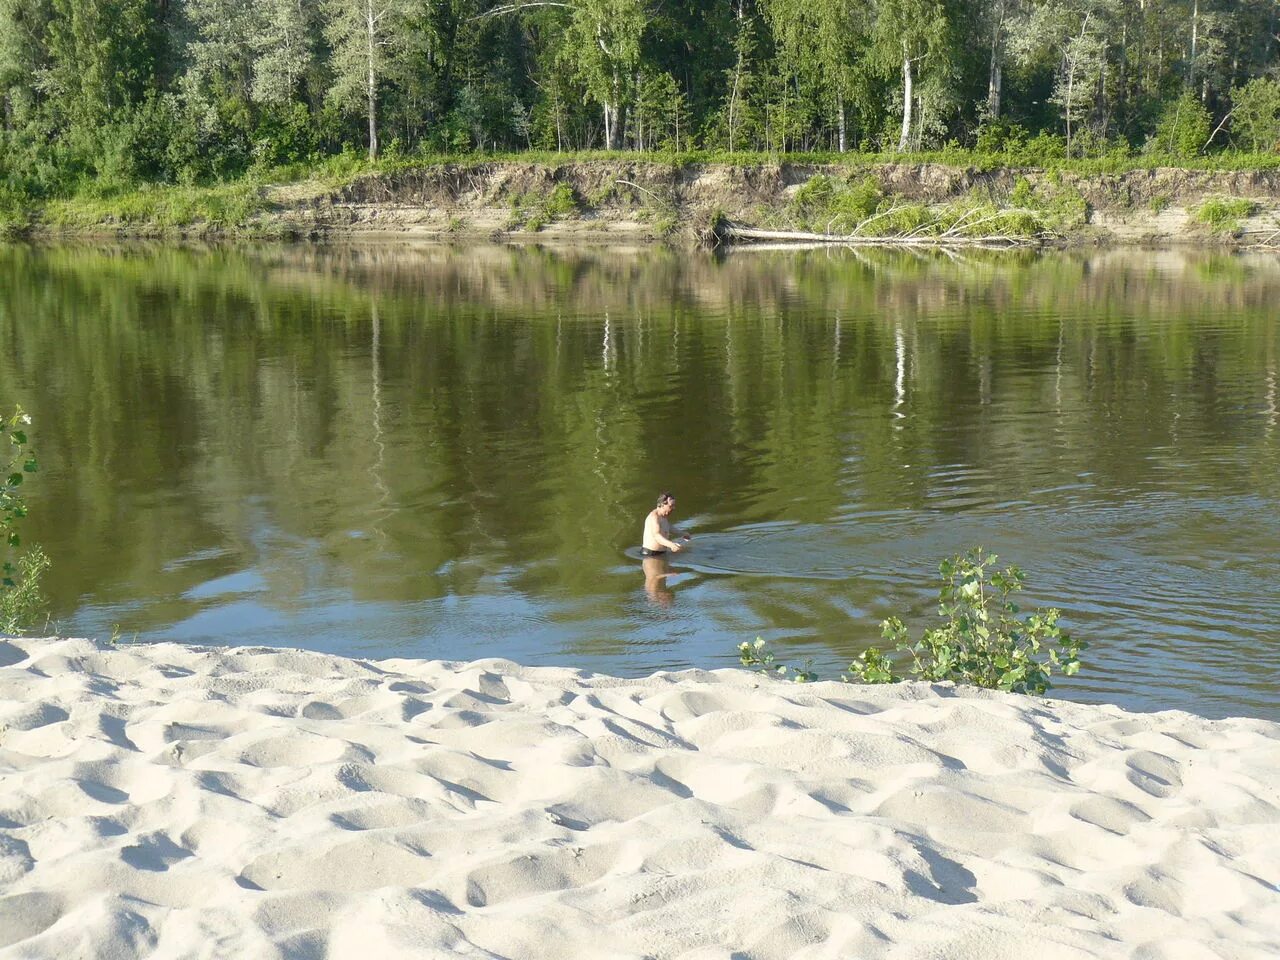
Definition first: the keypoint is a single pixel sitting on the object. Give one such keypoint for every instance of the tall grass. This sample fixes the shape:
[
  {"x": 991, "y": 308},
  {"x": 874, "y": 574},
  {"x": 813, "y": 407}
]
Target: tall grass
[{"x": 221, "y": 207}]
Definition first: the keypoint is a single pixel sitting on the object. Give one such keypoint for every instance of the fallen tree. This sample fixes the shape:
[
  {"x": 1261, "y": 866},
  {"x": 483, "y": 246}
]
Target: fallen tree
[{"x": 963, "y": 232}]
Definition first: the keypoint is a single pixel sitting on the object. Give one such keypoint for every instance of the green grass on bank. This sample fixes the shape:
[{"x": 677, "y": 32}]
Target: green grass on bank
[
  {"x": 220, "y": 207},
  {"x": 343, "y": 167},
  {"x": 233, "y": 205},
  {"x": 1223, "y": 214}
]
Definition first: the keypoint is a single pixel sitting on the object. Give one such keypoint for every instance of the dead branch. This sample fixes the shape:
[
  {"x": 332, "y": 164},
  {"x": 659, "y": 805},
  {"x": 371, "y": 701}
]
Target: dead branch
[
  {"x": 733, "y": 231},
  {"x": 517, "y": 7},
  {"x": 628, "y": 183},
  {"x": 1222, "y": 123}
]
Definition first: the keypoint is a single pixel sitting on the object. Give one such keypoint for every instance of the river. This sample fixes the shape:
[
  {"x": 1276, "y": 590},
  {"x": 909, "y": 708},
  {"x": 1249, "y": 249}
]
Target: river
[{"x": 404, "y": 450}]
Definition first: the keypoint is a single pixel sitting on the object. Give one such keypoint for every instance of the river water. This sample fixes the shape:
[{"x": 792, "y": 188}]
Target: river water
[{"x": 437, "y": 452}]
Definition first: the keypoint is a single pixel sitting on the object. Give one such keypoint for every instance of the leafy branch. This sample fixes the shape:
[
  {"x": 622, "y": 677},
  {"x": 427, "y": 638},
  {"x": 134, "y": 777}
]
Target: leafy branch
[
  {"x": 984, "y": 641},
  {"x": 760, "y": 658}
]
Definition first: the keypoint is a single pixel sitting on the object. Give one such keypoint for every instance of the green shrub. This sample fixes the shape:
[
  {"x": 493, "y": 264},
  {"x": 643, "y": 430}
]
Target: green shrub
[
  {"x": 1223, "y": 214},
  {"x": 1255, "y": 117},
  {"x": 1001, "y": 136},
  {"x": 602, "y": 195},
  {"x": 1059, "y": 204},
  {"x": 1183, "y": 128},
  {"x": 560, "y": 202},
  {"x": 15, "y": 211},
  {"x": 1041, "y": 150},
  {"x": 20, "y": 573},
  {"x": 824, "y": 204},
  {"x": 982, "y": 642},
  {"x": 758, "y": 657},
  {"x": 534, "y": 210},
  {"x": 813, "y": 198},
  {"x": 21, "y": 599}
]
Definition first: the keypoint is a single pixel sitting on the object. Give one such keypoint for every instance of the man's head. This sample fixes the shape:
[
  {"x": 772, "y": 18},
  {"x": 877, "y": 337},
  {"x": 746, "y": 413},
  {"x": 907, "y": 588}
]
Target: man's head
[{"x": 666, "y": 503}]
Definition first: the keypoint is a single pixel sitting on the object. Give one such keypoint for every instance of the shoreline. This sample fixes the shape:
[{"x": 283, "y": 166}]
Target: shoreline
[
  {"x": 273, "y": 802},
  {"x": 647, "y": 201}
]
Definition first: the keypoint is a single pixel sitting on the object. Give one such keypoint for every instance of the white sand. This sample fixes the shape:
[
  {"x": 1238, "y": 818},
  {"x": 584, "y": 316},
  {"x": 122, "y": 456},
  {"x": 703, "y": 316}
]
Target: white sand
[{"x": 168, "y": 801}]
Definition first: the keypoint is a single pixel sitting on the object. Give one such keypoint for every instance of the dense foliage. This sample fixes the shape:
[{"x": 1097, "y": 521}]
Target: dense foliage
[{"x": 101, "y": 95}]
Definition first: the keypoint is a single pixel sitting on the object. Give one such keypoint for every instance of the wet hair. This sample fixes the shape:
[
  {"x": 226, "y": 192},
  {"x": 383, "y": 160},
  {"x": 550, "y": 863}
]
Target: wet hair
[{"x": 665, "y": 497}]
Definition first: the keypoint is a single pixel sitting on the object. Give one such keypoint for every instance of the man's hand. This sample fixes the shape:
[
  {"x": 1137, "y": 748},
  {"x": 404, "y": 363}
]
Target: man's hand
[{"x": 676, "y": 548}]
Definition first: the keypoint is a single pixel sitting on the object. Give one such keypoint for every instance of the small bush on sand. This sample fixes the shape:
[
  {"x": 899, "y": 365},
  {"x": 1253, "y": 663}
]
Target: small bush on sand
[
  {"x": 20, "y": 598},
  {"x": 983, "y": 641}
]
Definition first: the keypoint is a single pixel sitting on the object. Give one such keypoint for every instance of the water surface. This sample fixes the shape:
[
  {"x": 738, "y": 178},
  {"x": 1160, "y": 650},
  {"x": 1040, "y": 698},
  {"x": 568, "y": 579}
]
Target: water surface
[{"x": 448, "y": 453}]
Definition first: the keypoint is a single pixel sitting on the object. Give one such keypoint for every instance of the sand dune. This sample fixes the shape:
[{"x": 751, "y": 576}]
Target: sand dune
[{"x": 167, "y": 801}]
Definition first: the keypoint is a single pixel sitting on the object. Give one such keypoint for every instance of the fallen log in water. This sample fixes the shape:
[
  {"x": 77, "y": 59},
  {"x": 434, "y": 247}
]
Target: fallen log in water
[{"x": 730, "y": 232}]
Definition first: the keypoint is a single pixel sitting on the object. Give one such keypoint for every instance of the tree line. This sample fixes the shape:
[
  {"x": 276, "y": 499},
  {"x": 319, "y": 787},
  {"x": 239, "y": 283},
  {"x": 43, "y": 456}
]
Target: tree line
[{"x": 115, "y": 92}]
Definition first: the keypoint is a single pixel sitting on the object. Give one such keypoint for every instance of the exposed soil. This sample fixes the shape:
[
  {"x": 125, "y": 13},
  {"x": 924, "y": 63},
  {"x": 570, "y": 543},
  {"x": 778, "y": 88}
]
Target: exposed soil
[{"x": 649, "y": 201}]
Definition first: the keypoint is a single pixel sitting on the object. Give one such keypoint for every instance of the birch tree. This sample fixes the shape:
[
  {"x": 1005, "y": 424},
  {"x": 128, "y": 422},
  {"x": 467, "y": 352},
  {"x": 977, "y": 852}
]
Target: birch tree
[
  {"x": 605, "y": 37},
  {"x": 284, "y": 50},
  {"x": 1072, "y": 35},
  {"x": 739, "y": 77},
  {"x": 911, "y": 36},
  {"x": 823, "y": 39},
  {"x": 219, "y": 56},
  {"x": 366, "y": 37}
]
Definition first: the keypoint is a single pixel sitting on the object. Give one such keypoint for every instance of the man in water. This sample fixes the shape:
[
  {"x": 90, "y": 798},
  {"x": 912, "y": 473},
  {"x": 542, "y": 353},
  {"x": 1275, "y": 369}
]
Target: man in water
[{"x": 657, "y": 529}]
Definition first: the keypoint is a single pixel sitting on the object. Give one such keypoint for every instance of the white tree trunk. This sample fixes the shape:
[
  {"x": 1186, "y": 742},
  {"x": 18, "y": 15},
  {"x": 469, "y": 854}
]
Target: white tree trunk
[
  {"x": 996, "y": 75},
  {"x": 840, "y": 110},
  {"x": 733, "y": 102},
  {"x": 371, "y": 36},
  {"x": 908, "y": 96},
  {"x": 1195, "y": 35}
]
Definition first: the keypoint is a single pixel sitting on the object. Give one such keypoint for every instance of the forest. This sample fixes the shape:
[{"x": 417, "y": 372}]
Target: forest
[{"x": 102, "y": 95}]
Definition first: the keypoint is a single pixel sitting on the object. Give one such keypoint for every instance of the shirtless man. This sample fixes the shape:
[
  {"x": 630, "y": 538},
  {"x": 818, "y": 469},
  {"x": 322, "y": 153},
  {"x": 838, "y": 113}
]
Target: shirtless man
[{"x": 657, "y": 530}]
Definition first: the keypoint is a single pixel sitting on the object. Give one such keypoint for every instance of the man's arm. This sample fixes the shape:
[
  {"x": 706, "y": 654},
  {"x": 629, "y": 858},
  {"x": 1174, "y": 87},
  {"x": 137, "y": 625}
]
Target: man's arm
[{"x": 655, "y": 528}]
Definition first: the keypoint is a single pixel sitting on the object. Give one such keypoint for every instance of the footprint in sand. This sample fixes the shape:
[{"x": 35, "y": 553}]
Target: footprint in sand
[
  {"x": 1153, "y": 773},
  {"x": 25, "y": 915},
  {"x": 155, "y": 852},
  {"x": 1112, "y": 815},
  {"x": 365, "y": 863}
]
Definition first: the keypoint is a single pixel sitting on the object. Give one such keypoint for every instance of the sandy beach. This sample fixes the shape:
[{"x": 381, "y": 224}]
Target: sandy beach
[{"x": 168, "y": 801}]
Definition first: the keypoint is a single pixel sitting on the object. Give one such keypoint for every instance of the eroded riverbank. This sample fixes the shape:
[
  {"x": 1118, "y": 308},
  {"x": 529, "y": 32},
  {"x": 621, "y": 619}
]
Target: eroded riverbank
[{"x": 642, "y": 201}]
